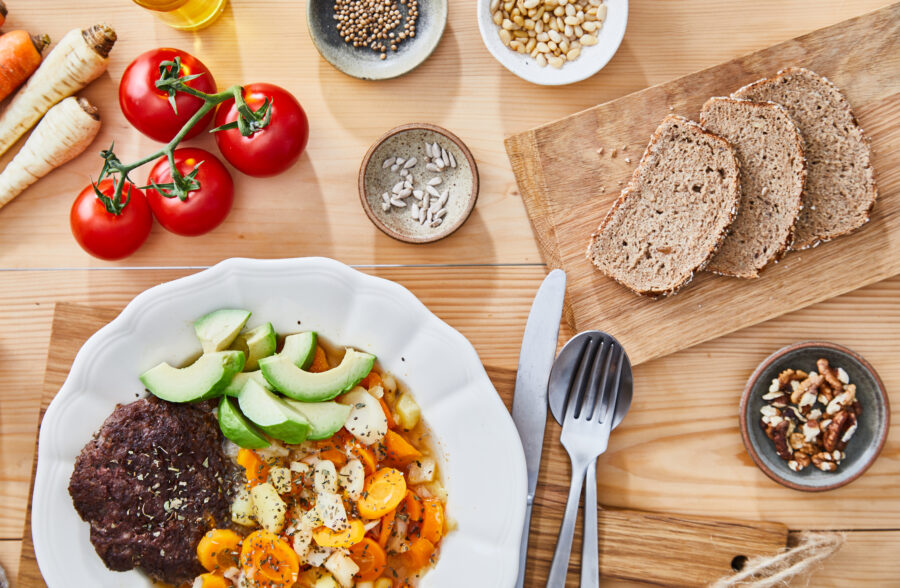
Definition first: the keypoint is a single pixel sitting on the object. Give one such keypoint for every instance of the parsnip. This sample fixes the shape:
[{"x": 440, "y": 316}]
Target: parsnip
[
  {"x": 63, "y": 134},
  {"x": 78, "y": 59}
]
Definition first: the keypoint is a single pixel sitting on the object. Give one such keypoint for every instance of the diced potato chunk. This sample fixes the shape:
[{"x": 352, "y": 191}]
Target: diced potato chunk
[
  {"x": 366, "y": 421},
  {"x": 268, "y": 507},
  {"x": 318, "y": 555},
  {"x": 299, "y": 467},
  {"x": 331, "y": 509},
  {"x": 422, "y": 471},
  {"x": 353, "y": 477},
  {"x": 325, "y": 478},
  {"x": 342, "y": 568},
  {"x": 303, "y": 532},
  {"x": 383, "y": 583},
  {"x": 389, "y": 382},
  {"x": 280, "y": 478},
  {"x": 378, "y": 392},
  {"x": 242, "y": 508},
  {"x": 326, "y": 581},
  {"x": 408, "y": 412}
]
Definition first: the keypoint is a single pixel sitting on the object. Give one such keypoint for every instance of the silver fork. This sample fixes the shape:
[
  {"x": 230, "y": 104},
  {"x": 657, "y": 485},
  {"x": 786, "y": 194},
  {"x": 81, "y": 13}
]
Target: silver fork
[{"x": 588, "y": 420}]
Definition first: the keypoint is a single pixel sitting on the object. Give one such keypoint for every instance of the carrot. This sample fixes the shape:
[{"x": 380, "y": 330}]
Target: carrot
[
  {"x": 373, "y": 379},
  {"x": 350, "y": 536},
  {"x": 370, "y": 558},
  {"x": 78, "y": 59},
  {"x": 387, "y": 525},
  {"x": 335, "y": 456},
  {"x": 320, "y": 362},
  {"x": 257, "y": 469},
  {"x": 384, "y": 490},
  {"x": 399, "y": 450},
  {"x": 213, "y": 581},
  {"x": 63, "y": 134},
  {"x": 364, "y": 455},
  {"x": 392, "y": 424},
  {"x": 267, "y": 560},
  {"x": 419, "y": 554},
  {"x": 432, "y": 520},
  {"x": 413, "y": 506},
  {"x": 219, "y": 550},
  {"x": 20, "y": 56}
]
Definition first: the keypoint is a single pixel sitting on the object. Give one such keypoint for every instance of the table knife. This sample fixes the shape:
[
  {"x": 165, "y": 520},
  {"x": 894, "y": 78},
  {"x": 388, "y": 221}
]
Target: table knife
[{"x": 529, "y": 410}]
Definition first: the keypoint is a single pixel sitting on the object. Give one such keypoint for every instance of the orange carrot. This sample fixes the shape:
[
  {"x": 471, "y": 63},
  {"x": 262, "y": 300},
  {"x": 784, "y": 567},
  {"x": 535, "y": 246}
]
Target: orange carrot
[
  {"x": 219, "y": 549},
  {"x": 373, "y": 379},
  {"x": 419, "y": 554},
  {"x": 20, "y": 56},
  {"x": 320, "y": 362},
  {"x": 257, "y": 469},
  {"x": 399, "y": 450},
  {"x": 363, "y": 454},
  {"x": 213, "y": 581},
  {"x": 370, "y": 558},
  {"x": 350, "y": 536},
  {"x": 413, "y": 506},
  {"x": 267, "y": 560},
  {"x": 432, "y": 520},
  {"x": 392, "y": 424},
  {"x": 387, "y": 525},
  {"x": 335, "y": 456},
  {"x": 384, "y": 491}
]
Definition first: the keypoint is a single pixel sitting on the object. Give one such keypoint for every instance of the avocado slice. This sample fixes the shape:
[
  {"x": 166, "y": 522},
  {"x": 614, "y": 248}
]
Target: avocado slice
[
  {"x": 237, "y": 383},
  {"x": 292, "y": 381},
  {"x": 203, "y": 379},
  {"x": 218, "y": 329},
  {"x": 300, "y": 349},
  {"x": 325, "y": 418},
  {"x": 236, "y": 427},
  {"x": 256, "y": 343},
  {"x": 271, "y": 414}
]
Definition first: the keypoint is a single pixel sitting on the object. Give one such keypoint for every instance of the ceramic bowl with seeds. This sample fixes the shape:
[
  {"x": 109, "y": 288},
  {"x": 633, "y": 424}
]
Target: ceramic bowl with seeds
[
  {"x": 376, "y": 49},
  {"x": 553, "y": 42},
  {"x": 859, "y": 452},
  {"x": 418, "y": 183}
]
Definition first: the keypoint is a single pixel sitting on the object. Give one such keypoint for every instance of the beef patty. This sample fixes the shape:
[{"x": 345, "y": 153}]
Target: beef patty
[{"x": 151, "y": 482}]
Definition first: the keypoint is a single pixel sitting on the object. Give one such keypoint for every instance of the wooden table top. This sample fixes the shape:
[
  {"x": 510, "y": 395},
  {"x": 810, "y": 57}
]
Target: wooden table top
[{"x": 678, "y": 451}]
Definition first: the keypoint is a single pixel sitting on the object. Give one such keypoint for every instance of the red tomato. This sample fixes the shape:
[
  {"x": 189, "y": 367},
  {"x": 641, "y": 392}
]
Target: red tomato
[
  {"x": 204, "y": 208},
  {"x": 148, "y": 108},
  {"x": 276, "y": 147},
  {"x": 107, "y": 235}
]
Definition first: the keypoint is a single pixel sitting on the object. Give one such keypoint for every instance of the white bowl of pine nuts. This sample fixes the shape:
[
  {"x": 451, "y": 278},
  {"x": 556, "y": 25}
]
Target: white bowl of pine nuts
[{"x": 553, "y": 42}]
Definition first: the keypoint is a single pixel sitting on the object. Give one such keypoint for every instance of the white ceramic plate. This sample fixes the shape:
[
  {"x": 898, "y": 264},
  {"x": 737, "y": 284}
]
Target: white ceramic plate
[
  {"x": 592, "y": 59},
  {"x": 483, "y": 463}
]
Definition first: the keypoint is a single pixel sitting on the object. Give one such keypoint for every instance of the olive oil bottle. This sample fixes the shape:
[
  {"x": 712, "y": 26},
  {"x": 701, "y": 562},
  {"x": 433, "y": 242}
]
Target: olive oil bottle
[{"x": 185, "y": 15}]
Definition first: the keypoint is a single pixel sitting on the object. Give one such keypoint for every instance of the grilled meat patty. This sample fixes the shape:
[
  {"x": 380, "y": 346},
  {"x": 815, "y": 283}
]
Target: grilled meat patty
[{"x": 151, "y": 482}]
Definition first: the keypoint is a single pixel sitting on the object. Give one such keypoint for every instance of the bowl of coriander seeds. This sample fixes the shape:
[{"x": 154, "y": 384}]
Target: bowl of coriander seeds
[
  {"x": 376, "y": 39},
  {"x": 418, "y": 183},
  {"x": 553, "y": 42}
]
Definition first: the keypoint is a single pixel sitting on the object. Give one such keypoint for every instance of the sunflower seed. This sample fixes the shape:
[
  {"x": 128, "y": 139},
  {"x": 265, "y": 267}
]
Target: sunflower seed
[
  {"x": 432, "y": 167},
  {"x": 427, "y": 149},
  {"x": 404, "y": 193},
  {"x": 444, "y": 197},
  {"x": 452, "y": 160},
  {"x": 440, "y": 214},
  {"x": 397, "y": 187},
  {"x": 429, "y": 216},
  {"x": 421, "y": 216},
  {"x": 386, "y": 206},
  {"x": 408, "y": 183},
  {"x": 398, "y": 203},
  {"x": 404, "y": 172},
  {"x": 388, "y": 162},
  {"x": 385, "y": 197},
  {"x": 400, "y": 161},
  {"x": 431, "y": 190},
  {"x": 410, "y": 162},
  {"x": 437, "y": 223},
  {"x": 435, "y": 206},
  {"x": 434, "y": 181},
  {"x": 436, "y": 149},
  {"x": 417, "y": 194},
  {"x": 414, "y": 211},
  {"x": 395, "y": 167},
  {"x": 445, "y": 158},
  {"x": 425, "y": 201},
  {"x": 440, "y": 164}
]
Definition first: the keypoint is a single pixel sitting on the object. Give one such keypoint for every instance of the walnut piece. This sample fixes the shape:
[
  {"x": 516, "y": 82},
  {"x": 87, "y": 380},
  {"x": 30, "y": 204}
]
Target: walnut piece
[
  {"x": 824, "y": 461},
  {"x": 831, "y": 376}
]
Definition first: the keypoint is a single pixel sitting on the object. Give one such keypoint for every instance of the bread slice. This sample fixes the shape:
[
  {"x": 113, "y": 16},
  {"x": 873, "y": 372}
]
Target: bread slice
[
  {"x": 674, "y": 212},
  {"x": 773, "y": 171},
  {"x": 840, "y": 183}
]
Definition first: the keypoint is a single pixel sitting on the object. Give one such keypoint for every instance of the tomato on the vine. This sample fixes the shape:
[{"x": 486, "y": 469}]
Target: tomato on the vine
[
  {"x": 107, "y": 235},
  {"x": 205, "y": 208},
  {"x": 275, "y": 147},
  {"x": 148, "y": 109}
]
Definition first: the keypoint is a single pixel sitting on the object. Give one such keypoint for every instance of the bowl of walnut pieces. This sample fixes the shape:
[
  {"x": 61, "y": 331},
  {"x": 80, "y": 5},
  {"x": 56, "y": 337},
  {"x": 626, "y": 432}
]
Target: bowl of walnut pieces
[{"x": 814, "y": 416}]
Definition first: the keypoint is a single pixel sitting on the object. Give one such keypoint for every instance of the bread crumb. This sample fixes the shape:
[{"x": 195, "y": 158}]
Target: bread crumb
[
  {"x": 627, "y": 160},
  {"x": 600, "y": 151},
  {"x": 614, "y": 152}
]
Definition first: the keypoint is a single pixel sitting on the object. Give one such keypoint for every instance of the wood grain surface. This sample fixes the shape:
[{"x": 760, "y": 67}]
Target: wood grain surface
[
  {"x": 679, "y": 450},
  {"x": 568, "y": 187}
]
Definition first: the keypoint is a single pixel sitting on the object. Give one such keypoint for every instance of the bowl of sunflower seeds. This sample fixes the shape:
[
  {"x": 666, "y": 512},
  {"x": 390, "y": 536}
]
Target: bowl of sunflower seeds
[{"x": 376, "y": 39}]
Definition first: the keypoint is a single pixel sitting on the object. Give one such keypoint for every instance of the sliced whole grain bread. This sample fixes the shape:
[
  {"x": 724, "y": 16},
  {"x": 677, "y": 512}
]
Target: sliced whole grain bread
[
  {"x": 840, "y": 184},
  {"x": 773, "y": 171},
  {"x": 674, "y": 212}
]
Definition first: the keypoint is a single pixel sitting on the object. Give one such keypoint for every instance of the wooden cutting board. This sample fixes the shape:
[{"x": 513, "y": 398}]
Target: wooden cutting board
[
  {"x": 568, "y": 186},
  {"x": 670, "y": 550}
]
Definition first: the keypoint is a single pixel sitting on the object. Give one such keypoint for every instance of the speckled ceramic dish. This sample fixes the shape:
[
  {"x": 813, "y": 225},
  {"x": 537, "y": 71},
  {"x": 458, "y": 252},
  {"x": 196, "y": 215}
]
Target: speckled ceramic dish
[
  {"x": 862, "y": 449},
  {"x": 364, "y": 63},
  {"x": 408, "y": 141}
]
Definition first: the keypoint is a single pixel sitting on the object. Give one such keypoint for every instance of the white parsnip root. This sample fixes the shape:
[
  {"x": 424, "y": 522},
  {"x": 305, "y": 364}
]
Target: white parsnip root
[
  {"x": 63, "y": 134},
  {"x": 77, "y": 60}
]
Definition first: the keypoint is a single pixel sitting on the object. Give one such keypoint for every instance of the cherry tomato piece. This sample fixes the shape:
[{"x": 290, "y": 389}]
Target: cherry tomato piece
[
  {"x": 276, "y": 147},
  {"x": 104, "y": 234},
  {"x": 148, "y": 109},
  {"x": 205, "y": 208}
]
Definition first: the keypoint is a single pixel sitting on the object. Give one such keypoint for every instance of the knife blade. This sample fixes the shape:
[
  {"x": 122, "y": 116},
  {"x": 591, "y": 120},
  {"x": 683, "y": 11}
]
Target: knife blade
[{"x": 529, "y": 411}]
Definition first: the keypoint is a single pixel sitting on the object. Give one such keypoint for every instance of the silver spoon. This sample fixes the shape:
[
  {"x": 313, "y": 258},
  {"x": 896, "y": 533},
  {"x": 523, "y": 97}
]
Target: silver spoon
[{"x": 568, "y": 371}]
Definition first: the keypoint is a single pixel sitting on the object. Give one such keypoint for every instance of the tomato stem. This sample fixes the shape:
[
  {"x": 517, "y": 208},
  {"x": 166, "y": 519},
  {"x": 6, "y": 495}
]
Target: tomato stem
[{"x": 170, "y": 80}]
